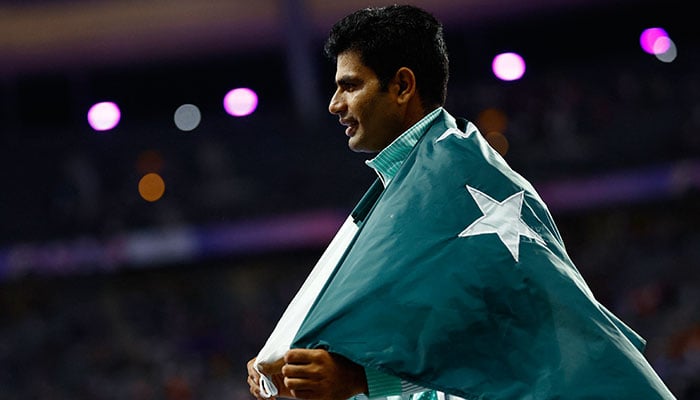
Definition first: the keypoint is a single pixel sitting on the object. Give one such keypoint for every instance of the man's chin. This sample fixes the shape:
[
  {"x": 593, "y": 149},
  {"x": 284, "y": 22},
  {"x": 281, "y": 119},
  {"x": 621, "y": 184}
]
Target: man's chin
[
  {"x": 359, "y": 148},
  {"x": 354, "y": 145}
]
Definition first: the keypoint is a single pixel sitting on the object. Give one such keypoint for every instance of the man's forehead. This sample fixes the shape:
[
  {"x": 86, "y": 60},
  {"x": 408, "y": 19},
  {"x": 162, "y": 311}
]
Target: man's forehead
[
  {"x": 348, "y": 60},
  {"x": 349, "y": 65}
]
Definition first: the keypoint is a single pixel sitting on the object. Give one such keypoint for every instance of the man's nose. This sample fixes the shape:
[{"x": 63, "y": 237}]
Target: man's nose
[{"x": 336, "y": 105}]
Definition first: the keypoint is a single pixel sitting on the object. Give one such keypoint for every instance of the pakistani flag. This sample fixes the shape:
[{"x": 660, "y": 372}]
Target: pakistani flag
[{"x": 457, "y": 280}]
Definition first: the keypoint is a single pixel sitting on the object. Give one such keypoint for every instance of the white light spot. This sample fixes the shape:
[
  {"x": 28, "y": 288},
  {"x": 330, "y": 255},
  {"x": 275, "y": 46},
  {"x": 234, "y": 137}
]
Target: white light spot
[
  {"x": 104, "y": 116},
  {"x": 187, "y": 117},
  {"x": 240, "y": 102},
  {"x": 508, "y": 66}
]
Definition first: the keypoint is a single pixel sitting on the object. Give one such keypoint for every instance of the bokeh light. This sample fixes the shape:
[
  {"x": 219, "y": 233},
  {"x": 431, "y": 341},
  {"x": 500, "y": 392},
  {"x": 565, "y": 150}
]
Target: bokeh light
[
  {"x": 240, "y": 102},
  {"x": 187, "y": 117},
  {"x": 493, "y": 123},
  {"x": 508, "y": 66},
  {"x": 498, "y": 141},
  {"x": 151, "y": 187},
  {"x": 104, "y": 116},
  {"x": 652, "y": 41},
  {"x": 149, "y": 161},
  {"x": 670, "y": 52},
  {"x": 492, "y": 119}
]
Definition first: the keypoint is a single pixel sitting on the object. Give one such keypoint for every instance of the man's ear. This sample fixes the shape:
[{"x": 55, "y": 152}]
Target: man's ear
[{"x": 405, "y": 79}]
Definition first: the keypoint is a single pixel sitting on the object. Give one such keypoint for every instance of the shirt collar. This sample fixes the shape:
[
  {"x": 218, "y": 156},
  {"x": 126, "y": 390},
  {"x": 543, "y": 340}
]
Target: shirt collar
[{"x": 388, "y": 161}]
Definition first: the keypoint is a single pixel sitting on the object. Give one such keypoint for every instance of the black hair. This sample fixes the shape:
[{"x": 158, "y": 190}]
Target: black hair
[{"x": 388, "y": 38}]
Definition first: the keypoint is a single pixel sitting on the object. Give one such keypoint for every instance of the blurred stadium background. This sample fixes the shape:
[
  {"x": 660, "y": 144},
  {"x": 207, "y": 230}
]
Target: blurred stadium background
[{"x": 146, "y": 250}]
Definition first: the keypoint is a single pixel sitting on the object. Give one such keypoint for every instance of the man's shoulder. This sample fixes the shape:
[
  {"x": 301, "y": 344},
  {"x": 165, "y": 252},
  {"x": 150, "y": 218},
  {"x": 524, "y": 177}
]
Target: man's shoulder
[
  {"x": 446, "y": 125},
  {"x": 445, "y": 120}
]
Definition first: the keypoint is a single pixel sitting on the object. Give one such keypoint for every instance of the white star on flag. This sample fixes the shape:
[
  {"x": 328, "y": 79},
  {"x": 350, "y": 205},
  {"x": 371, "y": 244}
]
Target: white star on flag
[{"x": 502, "y": 218}]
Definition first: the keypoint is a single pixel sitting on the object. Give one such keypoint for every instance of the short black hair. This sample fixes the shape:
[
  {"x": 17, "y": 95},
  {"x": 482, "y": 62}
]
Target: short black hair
[{"x": 391, "y": 37}]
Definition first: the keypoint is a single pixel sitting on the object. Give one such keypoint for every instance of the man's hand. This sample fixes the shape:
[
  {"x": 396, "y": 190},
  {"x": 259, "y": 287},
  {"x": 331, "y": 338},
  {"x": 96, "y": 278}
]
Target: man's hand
[
  {"x": 274, "y": 371},
  {"x": 317, "y": 374}
]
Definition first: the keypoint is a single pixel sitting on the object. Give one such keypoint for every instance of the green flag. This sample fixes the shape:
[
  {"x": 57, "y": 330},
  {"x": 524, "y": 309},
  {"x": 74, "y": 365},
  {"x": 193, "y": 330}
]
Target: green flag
[{"x": 458, "y": 281}]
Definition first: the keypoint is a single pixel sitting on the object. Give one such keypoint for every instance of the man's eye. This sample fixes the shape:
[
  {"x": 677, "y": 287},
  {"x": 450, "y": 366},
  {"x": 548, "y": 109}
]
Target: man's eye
[{"x": 348, "y": 86}]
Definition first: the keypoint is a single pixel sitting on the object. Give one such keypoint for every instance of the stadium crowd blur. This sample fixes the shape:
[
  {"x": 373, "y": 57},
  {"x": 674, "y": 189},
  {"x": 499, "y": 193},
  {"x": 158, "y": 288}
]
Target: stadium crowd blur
[{"x": 184, "y": 329}]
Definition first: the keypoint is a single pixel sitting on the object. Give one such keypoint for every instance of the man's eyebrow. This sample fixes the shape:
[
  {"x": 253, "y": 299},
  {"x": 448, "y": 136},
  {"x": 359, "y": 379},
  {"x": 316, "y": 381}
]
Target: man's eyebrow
[{"x": 346, "y": 80}]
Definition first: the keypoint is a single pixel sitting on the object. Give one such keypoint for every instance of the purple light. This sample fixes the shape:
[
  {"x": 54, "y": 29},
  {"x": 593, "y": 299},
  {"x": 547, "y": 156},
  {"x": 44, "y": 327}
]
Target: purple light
[
  {"x": 508, "y": 66},
  {"x": 240, "y": 102},
  {"x": 104, "y": 116},
  {"x": 654, "y": 40}
]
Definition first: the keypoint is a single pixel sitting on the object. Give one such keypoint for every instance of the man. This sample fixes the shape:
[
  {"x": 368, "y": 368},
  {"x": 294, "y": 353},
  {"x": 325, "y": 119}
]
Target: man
[{"x": 454, "y": 281}]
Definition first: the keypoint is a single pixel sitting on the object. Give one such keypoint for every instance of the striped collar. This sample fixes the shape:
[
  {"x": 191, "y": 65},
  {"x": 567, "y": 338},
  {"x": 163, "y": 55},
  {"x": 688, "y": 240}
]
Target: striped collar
[{"x": 389, "y": 160}]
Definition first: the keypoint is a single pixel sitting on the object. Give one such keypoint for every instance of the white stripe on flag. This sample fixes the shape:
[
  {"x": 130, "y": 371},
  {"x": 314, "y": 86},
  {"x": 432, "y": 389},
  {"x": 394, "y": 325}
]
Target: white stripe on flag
[{"x": 287, "y": 327}]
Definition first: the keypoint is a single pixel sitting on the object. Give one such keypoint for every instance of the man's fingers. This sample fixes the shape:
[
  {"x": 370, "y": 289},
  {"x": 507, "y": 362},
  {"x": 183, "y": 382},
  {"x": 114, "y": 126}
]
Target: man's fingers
[
  {"x": 272, "y": 368},
  {"x": 299, "y": 386},
  {"x": 296, "y": 356},
  {"x": 303, "y": 371},
  {"x": 303, "y": 356},
  {"x": 305, "y": 394}
]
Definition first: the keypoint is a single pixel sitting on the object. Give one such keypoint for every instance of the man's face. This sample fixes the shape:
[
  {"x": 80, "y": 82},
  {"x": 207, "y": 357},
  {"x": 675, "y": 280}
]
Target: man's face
[{"x": 372, "y": 116}]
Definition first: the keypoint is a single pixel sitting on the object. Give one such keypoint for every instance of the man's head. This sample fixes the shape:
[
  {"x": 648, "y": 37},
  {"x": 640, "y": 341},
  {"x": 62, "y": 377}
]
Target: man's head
[
  {"x": 392, "y": 68},
  {"x": 388, "y": 38}
]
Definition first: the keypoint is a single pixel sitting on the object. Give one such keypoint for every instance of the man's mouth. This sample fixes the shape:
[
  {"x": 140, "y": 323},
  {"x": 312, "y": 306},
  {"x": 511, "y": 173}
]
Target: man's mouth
[
  {"x": 350, "y": 130},
  {"x": 351, "y": 126}
]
